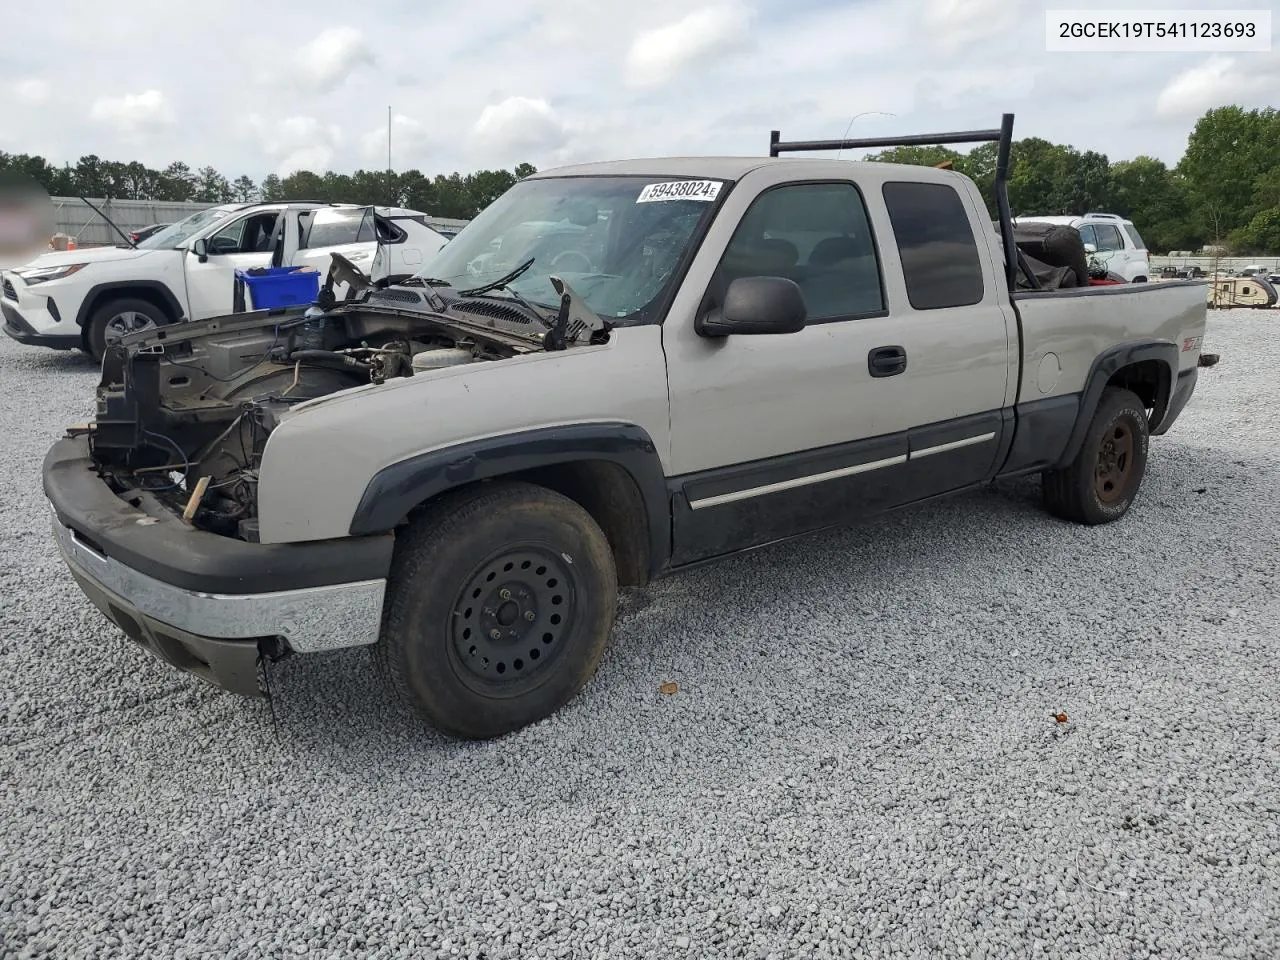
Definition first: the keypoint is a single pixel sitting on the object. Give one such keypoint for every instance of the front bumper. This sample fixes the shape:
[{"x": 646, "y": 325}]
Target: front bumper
[
  {"x": 34, "y": 319},
  {"x": 206, "y": 604},
  {"x": 17, "y": 328}
]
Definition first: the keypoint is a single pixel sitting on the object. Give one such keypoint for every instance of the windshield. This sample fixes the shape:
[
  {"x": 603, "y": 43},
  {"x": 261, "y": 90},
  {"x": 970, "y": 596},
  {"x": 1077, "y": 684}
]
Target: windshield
[
  {"x": 617, "y": 241},
  {"x": 178, "y": 233}
]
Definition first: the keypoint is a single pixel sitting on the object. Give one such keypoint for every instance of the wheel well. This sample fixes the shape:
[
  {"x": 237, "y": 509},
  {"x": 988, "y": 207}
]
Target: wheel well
[
  {"x": 147, "y": 294},
  {"x": 606, "y": 491},
  {"x": 1148, "y": 379}
]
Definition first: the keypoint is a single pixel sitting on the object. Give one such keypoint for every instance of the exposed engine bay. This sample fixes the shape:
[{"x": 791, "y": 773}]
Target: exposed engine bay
[{"x": 184, "y": 411}]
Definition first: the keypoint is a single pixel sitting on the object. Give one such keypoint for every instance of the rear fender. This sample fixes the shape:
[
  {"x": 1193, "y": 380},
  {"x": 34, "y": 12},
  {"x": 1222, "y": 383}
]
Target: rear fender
[{"x": 1107, "y": 365}]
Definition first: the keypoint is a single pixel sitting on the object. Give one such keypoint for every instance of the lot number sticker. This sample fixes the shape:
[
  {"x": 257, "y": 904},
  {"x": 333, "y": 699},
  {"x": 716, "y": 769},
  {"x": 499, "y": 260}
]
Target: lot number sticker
[{"x": 706, "y": 190}]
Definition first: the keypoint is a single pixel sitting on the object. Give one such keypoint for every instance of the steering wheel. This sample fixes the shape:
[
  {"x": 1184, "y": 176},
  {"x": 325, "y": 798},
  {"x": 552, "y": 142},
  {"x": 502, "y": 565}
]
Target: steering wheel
[{"x": 557, "y": 262}]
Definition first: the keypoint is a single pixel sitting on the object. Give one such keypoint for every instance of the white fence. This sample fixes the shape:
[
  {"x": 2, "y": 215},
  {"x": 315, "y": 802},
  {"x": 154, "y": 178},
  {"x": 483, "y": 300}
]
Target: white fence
[{"x": 1225, "y": 264}]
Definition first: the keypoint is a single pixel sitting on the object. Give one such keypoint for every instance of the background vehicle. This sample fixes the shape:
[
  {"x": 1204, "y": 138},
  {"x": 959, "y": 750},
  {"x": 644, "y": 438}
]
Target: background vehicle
[
  {"x": 142, "y": 233},
  {"x": 83, "y": 298},
  {"x": 1115, "y": 240},
  {"x": 458, "y": 471}
]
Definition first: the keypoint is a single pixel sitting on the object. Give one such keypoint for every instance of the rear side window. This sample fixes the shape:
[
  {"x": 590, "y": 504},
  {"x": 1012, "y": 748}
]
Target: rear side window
[
  {"x": 1134, "y": 236},
  {"x": 1108, "y": 237},
  {"x": 940, "y": 259}
]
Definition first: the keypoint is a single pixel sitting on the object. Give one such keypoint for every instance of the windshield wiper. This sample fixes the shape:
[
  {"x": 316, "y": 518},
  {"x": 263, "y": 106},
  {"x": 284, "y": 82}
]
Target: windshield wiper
[
  {"x": 500, "y": 283},
  {"x": 424, "y": 281}
]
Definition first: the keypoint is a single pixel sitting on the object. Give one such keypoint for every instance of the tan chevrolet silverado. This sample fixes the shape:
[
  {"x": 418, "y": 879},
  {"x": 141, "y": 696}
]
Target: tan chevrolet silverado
[{"x": 615, "y": 371}]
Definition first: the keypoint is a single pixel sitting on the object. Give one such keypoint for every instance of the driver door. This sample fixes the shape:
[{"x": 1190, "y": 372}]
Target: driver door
[{"x": 243, "y": 243}]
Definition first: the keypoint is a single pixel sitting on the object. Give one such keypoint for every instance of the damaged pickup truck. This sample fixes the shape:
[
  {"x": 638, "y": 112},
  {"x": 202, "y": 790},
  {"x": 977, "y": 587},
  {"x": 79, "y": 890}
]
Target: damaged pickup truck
[{"x": 616, "y": 371}]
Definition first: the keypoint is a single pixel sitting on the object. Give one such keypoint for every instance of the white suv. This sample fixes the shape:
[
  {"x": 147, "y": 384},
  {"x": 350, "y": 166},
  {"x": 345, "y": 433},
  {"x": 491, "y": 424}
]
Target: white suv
[
  {"x": 1114, "y": 240},
  {"x": 84, "y": 298}
]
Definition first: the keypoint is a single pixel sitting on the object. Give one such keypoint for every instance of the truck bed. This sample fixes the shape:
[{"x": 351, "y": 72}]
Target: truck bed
[{"x": 1074, "y": 326}]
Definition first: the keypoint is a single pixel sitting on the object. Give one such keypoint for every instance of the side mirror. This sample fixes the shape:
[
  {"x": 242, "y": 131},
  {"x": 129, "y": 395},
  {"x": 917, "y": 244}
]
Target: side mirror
[
  {"x": 201, "y": 249},
  {"x": 1090, "y": 248},
  {"x": 756, "y": 305}
]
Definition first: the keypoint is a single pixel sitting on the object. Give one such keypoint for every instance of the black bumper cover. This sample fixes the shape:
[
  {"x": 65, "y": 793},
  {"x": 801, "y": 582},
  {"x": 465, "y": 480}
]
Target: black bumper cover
[
  {"x": 170, "y": 551},
  {"x": 18, "y": 329}
]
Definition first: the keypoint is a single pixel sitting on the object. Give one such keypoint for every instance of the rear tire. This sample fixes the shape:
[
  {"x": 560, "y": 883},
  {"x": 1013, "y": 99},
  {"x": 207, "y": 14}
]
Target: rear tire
[
  {"x": 499, "y": 606},
  {"x": 116, "y": 318},
  {"x": 1101, "y": 483}
]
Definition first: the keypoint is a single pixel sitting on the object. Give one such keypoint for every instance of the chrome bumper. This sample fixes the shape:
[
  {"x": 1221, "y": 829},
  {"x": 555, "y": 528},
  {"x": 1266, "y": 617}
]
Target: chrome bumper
[{"x": 310, "y": 620}]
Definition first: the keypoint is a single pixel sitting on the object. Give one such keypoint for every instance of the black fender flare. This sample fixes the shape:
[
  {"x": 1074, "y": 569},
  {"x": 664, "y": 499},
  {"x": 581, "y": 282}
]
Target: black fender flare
[
  {"x": 397, "y": 489},
  {"x": 1104, "y": 367},
  {"x": 95, "y": 296}
]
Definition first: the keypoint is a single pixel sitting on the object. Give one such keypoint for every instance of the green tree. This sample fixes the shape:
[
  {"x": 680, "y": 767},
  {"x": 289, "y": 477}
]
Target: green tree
[
  {"x": 272, "y": 188},
  {"x": 177, "y": 182},
  {"x": 211, "y": 186},
  {"x": 304, "y": 185},
  {"x": 244, "y": 189},
  {"x": 1228, "y": 153}
]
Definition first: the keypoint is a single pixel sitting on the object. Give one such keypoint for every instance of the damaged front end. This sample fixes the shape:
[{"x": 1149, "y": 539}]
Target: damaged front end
[{"x": 184, "y": 412}]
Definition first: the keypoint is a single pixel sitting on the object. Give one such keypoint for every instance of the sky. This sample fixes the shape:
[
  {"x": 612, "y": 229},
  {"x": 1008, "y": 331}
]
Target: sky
[{"x": 258, "y": 88}]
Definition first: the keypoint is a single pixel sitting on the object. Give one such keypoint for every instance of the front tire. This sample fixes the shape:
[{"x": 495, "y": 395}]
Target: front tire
[
  {"x": 117, "y": 318},
  {"x": 499, "y": 606},
  {"x": 1101, "y": 483}
]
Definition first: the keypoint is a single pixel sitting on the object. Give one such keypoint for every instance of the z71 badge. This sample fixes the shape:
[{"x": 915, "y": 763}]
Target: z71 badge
[{"x": 1191, "y": 343}]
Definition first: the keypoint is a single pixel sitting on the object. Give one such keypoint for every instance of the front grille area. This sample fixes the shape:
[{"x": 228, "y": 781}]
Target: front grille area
[{"x": 9, "y": 292}]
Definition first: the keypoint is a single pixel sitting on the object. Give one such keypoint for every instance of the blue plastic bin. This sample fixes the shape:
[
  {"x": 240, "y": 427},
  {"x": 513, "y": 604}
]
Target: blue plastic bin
[{"x": 280, "y": 287}]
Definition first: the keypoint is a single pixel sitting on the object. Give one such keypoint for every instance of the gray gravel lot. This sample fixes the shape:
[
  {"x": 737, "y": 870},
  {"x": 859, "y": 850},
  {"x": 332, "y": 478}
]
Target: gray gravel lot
[{"x": 861, "y": 759}]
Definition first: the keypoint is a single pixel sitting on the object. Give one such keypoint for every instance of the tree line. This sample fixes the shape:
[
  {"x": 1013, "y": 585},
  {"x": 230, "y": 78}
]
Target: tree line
[
  {"x": 1225, "y": 190},
  {"x": 456, "y": 195}
]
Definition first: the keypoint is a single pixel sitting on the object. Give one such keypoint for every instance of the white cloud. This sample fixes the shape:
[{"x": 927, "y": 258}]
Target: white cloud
[
  {"x": 957, "y": 25},
  {"x": 297, "y": 143},
  {"x": 735, "y": 70},
  {"x": 133, "y": 113},
  {"x": 328, "y": 60},
  {"x": 409, "y": 140},
  {"x": 32, "y": 90},
  {"x": 519, "y": 128},
  {"x": 657, "y": 56},
  {"x": 1217, "y": 82}
]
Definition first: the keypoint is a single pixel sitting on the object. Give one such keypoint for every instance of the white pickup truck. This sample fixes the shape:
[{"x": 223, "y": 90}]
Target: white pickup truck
[
  {"x": 458, "y": 471},
  {"x": 84, "y": 298}
]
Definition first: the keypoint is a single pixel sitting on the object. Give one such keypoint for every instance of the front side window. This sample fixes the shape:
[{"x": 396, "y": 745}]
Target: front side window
[
  {"x": 247, "y": 235},
  {"x": 816, "y": 234},
  {"x": 619, "y": 242},
  {"x": 940, "y": 260}
]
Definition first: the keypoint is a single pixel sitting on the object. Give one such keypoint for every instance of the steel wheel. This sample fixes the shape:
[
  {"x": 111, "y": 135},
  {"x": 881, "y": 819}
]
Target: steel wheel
[
  {"x": 508, "y": 621},
  {"x": 1115, "y": 463}
]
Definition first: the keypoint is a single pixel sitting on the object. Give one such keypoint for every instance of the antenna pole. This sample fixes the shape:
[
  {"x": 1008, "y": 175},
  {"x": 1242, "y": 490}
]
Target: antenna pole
[{"x": 390, "y": 191}]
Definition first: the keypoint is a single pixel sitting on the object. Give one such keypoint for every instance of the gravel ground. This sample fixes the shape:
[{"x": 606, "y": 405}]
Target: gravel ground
[{"x": 864, "y": 763}]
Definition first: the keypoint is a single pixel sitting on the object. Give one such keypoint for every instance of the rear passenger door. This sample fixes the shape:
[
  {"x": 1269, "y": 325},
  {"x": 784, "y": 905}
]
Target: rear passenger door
[{"x": 776, "y": 435}]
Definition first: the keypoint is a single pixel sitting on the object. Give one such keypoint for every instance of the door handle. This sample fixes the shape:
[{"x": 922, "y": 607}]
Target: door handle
[{"x": 887, "y": 361}]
